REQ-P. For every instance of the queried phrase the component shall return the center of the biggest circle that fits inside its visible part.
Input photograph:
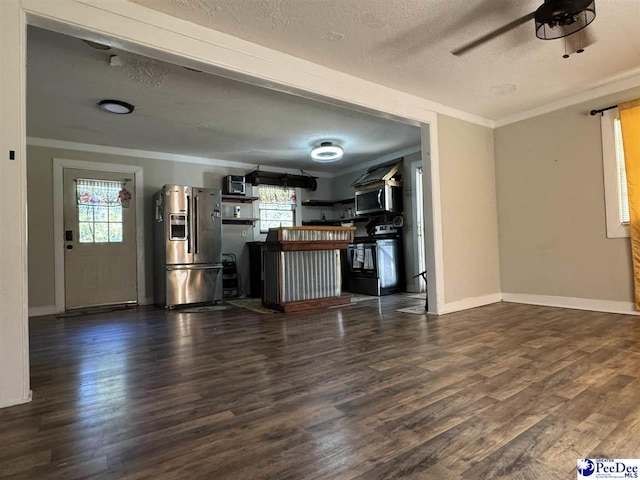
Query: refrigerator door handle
(195, 224)
(189, 226)
(193, 267)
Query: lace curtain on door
(99, 211)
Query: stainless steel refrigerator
(187, 245)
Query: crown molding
(170, 157)
(618, 84)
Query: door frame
(419, 282)
(145, 31)
(59, 164)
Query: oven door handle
(380, 198)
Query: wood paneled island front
(302, 267)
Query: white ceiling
(406, 44)
(190, 113)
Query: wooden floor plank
(360, 391)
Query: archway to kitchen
(66, 18)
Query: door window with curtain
(277, 207)
(99, 211)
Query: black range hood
(379, 174)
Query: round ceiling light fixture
(116, 106)
(327, 152)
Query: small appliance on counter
(234, 185)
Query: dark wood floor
(505, 391)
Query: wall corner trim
(608, 306)
(471, 302)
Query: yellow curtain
(630, 125)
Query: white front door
(99, 238)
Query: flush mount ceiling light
(327, 152)
(116, 106)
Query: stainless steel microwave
(379, 199)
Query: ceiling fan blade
(494, 34)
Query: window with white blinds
(623, 197)
(615, 178)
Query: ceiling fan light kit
(553, 19)
(561, 18)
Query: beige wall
(156, 173)
(469, 211)
(551, 208)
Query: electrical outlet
(244, 233)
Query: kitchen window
(615, 178)
(277, 207)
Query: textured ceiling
(406, 44)
(187, 112)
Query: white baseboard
(609, 306)
(43, 310)
(471, 302)
(19, 401)
(52, 310)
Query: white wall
(552, 210)
(156, 174)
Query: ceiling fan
(553, 19)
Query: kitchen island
(302, 267)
